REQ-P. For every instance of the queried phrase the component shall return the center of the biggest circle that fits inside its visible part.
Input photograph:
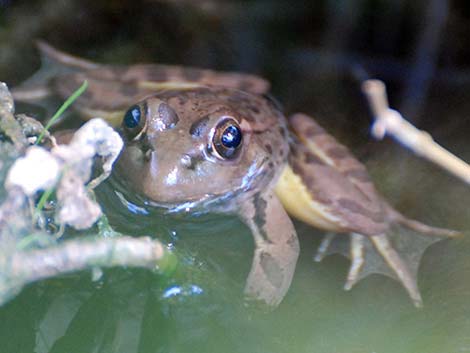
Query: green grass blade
(62, 109)
(44, 197)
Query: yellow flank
(299, 203)
(114, 118)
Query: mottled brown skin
(113, 88)
(171, 158)
(174, 160)
(336, 178)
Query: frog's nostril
(187, 161)
(146, 149)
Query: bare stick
(75, 255)
(24, 267)
(390, 122)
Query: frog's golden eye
(227, 139)
(134, 121)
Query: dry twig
(391, 122)
(25, 267)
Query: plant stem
(62, 109)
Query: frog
(199, 140)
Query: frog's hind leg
(53, 63)
(419, 227)
(327, 187)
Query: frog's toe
(357, 260)
(356, 252)
(397, 265)
(323, 249)
(376, 255)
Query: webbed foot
(396, 255)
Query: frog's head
(183, 147)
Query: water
(200, 308)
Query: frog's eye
(134, 121)
(227, 139)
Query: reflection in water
(180, 291)
(200, 308)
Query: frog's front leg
(276, 248)
(325, 186)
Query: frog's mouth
(256, 178)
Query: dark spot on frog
(182, 99)
(272, 269)
(156, 74)
(273, 102)
(293, 152)
(109, 73)
(268, 147)
(338, 152)
(192, 74)
(312, 131)
(254, 109)
(167, 116)
(310, 183)
(129, 89)
(260, 214)
(239, 98)
(284, 151)
(293, 241)
(354, 207)
(198, 127)
(200, 92)
(245, 85)
(358, 174)
(310, 158)
(117, 70)
(121, 72)
(67, 85)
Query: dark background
(312, 51)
